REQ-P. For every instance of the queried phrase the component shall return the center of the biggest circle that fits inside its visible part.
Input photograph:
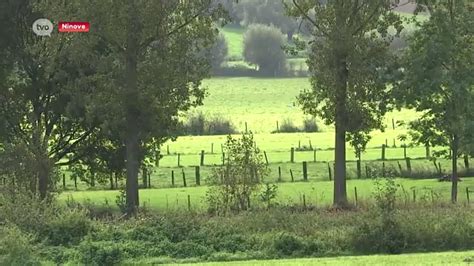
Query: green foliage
(100, 253)
(68, 228)
(198, 125)
(269, 194)
(17, 248)
(218, 53)
(263, 47)
(310, 125)
(287, 126)
(288, 245)
(233, 184)
(381, 231)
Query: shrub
(16, 247)
(286, 244)
(218, 52)
(310, 125)
(288, 127)
(263, 47)
(190, 249)
(100, 253)
(67, 228)
(199, 125)
(219, 126)
(380, 231)
(240, 177)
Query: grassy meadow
(315, 194)
(440, 258)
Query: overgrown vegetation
(233, 184)
(198, 124)
(77, 236)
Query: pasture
(440, 258)
(315, 194)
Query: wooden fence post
(383, 152)
(279, 174)
(198, 175)
(246, 131)
(168, 149)
(467, 195)
(400, 167)
(386, 142)
(202, 158)
(75, 182)
(179, 160)
(383, 169)
(393, 124)
(305, 171)
(189, 202)
(184, 178)
(299, 144)
(266, 158)
(367, 173)
(212, 148)
(149, 180)
(144, 176)
(278, 127)
(310, 145)
(64, 181)
(223, 158)
(292, 177)
(427, 151)
(292, 155)
(414, 195)
(466, 161)
(330, 172)
(172, 178)
(314, 155)
(404, 151)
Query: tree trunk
(342, 76)
(454, 174)
(132, 140)
(43, 177)
(340, 194)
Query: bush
(239, 179)
(190, 249)
(288, 127)
(67, 228)
(287, 244)
(381, 230)
(16, 247)
(310, 125)
(218, 52)
(100, 253)
(220, 126)
(199, 125)
(263, 47)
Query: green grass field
(441, 258)
(315, 193)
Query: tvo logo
(43, 27)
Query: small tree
(438, 80)
(234, 183)
(263, 47)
